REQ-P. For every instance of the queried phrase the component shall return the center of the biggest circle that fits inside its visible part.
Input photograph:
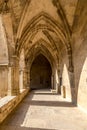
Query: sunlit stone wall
(66, 82)
(82, 90)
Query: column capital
(14, 61)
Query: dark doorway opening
(40, 73)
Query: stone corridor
(43, 110)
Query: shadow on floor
(46, 94)
(17, 117)
(52, 103)
(22, 128)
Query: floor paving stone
(42, 110)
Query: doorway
(40, 73)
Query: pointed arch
(41, 47)
(50, 23)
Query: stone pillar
(13, 77)
(52, 81)
(21, 85)
(60, 84)
(10, 80)
(73, 91)
(28, 78)
(25, 79)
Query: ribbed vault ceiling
(44, 26)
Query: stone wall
(8, 103)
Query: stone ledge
(53, 90)
(8, 103)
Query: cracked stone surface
(42, 110)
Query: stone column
(9, 80)
(21, 85)
(60, 84)
(52, 81)
(28, 78)
(25, 79)
(13, 77)
(73, 91)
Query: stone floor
(42, 110)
